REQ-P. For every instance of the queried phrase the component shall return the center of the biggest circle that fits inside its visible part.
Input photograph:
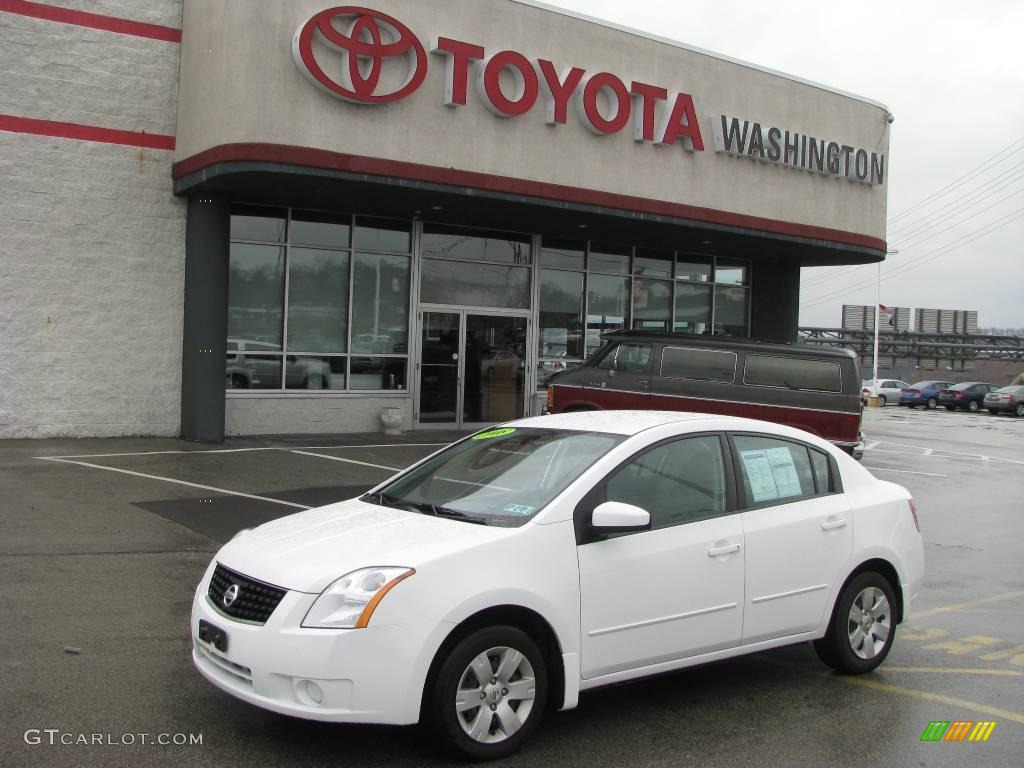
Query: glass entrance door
(472, 368)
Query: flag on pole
(890, 314)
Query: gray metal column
(775, 299)
(204, 343)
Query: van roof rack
(708, 340)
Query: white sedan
(510, 571)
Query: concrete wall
(287, 415)
(92, 254)
(249, 89)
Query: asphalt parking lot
(103, 542)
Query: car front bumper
(371, 675)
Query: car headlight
(349, 602)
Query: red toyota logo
(366, 40)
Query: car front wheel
(863, 626)
(489, 694)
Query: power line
(924, 258)
(968, 175)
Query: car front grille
(255, 601)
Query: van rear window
(702, 364)
(792, 373)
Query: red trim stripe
(85, 132)
(320, 158)
(91, 20)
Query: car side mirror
(617, 517)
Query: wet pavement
(103, 541)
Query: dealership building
(239, 217)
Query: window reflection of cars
(261, 368)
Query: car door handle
(728, 549)
(833, 523)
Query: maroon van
(810, 388)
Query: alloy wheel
(869, 623)
(495, 695)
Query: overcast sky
(952, 73)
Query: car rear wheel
(489, 694)
(932, 403)
(1019, 410)
(862, 628)
(881, 401)
(973, 406)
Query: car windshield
(502, 476)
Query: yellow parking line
(957, 671)
(967, 604)
(996, 712)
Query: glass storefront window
(325, 229)
(382, 235)
(652, 304)
(730, 310)
(474, 245)
(254, 222)
(609, 258)
(380, 304)
(693, 308)
(560, 342)
(248, 371)
(378, 373)
(475, 284)
(313, 372)
(307, 323)
(317, 300)
(730, 273)
(256, 294)
(607, 307)
(695, 271)
(562, 254)
(652, 263)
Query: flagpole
(878, 309)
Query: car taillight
(958, 394)
(913, 512)
(551, 398)
(915, 391)
(865, 391)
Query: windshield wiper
(455, 515)
(424, 507)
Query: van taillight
(551, 398)
(913, 512)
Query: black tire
(882, 401)
(440, 713)
(932, 404)
(1018, 410)
(838, 649)
(973, 406)
(950, 407)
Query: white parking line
(239, 450)
(177, 482)
(942, 453)
(348, 461)
(903, 471)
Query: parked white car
(520, 566)
(886, 390)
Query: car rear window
(703, 364)
(793, 373)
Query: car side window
(774, 470)
(632, 357)
(820, 467)
(677, 482)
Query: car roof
(728, 342)
(633, 422)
